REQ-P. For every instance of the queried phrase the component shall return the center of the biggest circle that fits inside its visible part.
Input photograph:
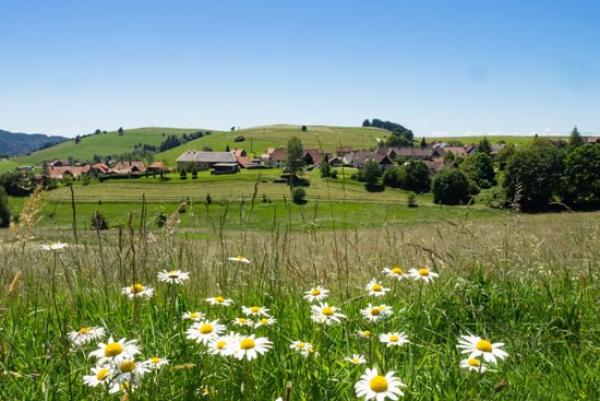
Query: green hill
(107, 144)
(6, 164)
(258, 139)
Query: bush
(239, 138)
(183, 174)
(298, 196)
(412, 176)
(99, 222)
(208, 199)
(370, 173)
(580, 186)
(4, 210)
(333, 174)
(194, 174)
(412, 200)
(161, 220)
(480, 169)
(451, 187)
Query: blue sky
(455, 67)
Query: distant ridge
(16, 143)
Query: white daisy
(395, 272)
(173, 276)
(255, 311)
(373, 386)
(325, 314)
(156, 362)
(250, 347)
(423, 274)
(375, 313)
(219, 300)
(55, 246)
(473, 365)
(317, 293)
(477, 347)
(193, 315)
(356, 359)
(304, 348)
(265, 322)
(239, 259)
(375, 288)
(243, 321)
(130, 371)
(394, 339)
(115, 351)
(138, 290)
(86, 335)
(101, 375)
(223, 345)
(204, 331)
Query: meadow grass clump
(470, 311)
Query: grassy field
(258, 139)
(530, 282)
(6, 165)
(514, 139)
(107, 144)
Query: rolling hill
(258, 139)
(16, 143)
(6, 164)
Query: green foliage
(17, 183)
(451, 187)
(194, 173)
(504, 154)
(99, 222)
(4, 209)
(484, 146)
(208, 199)
(575, 138)
(412, 175)
(295, 155)
(183, 174)
(532, 175)
(412, 200)
(161, 219)
(239, 138)
(299, 195)
(325, 168)
(370, 173)
(580, 185)
(480, 169)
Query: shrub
(208, 199)
(480, 169)
(161, 219)
(370, 173)
(4, 210)
(99, 222)
(412, 200)
(412, 176)
(325, 168)
(239, 138)
(298, 196)
(333, 174)
(580, 184)
(194, 174)
(183, 174)
(451, 187)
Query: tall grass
(530, 282)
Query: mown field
(6, 165)
(530, 282)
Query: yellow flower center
(137, 288)
(355, 360)
(379, 384)
(328, 311)
(264, 321)
(219, 299)
(473, 362)
(173, 274)
(102, 373)
(242, 320)
(376, 288)
(127, 366)
(376, 310)
(85, 330)
(220, 344)
(113, 349)
(366, 333)
(255, 309)
(484, 346)
(315, 292)
(424, 272)
(194, 315)
(206, 328)
(155, 360)
(397, 270)
(394, 338)
(247, 343)
(301, 345)
(239, 257)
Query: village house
(158, 167)
(199, 160)
(62, 172)
(359, 158)
(409, 152)
(242, 158)
(129, 168)
(274, 156)
(312, 157)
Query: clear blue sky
(455, 67)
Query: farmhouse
(225, 168)
(61, 172)
(129, 168)
(312, 157)
(409, 152)
(275, 156)
(359, 158)
(158, 167)
(242, 158)
(195, 160)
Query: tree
(120, 130)
(304, 128)
(423, 143)
(370, 173)
(77, 139)
(575, 139)
(400, 137)
(451, 187)
(480, 169)
(298, 196)
(532, 176)
(580, 185)
(99, 222)
(366, 123)
(295, 155)
(325, 168)
(504, 154)
(227, 148)
(412, 176)
(485, 146)
(4, 210)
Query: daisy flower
(86, 335)
(375, 313)
(265, 321)
(375, 288)
(373, 386)
(173, 276)
(364, 334)
(423, 274)
(55, 246)
(243, 321)
(156, 362)
(325, 314)
(356, 359)
(250, 347)
(394, 339)
(395, 272)
(477, 347)
(305, 349)
(219, 300)
(317, 293)
(138, 290)
(255, 311)
(115, 351)
(205, 331)
(101, 375)
(473, 365)
(239, 259)
(129, 371)
(194, 316)
(223, 345)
